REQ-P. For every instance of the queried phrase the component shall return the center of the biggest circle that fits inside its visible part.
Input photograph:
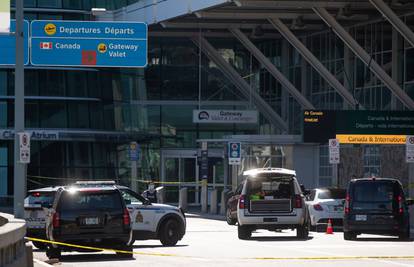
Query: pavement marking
(335, 258)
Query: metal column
(316, 64)
(398, 24)
(19, 168)
(365, 57)
(271, 68)
(240, 83)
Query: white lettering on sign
(124, 47)
(116, 31)
(107, 30)
(82, 30)
(73, 46)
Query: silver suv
(271, 199)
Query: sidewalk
(38, 263)
(193, 214)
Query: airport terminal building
(272, 58)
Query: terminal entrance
(180, 170)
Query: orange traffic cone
(329, 229)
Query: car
(271, 199)
(376, 206)
(324, 204)
(37, 205)
(89, 216)
(232, 202)
(149, 220)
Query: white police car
(149, 220)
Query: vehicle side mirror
(409, 202)
(147, 202)
(230, 193)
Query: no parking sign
(234, 152)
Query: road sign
(409, 149)
(134, 151)
(333, 151)
(24, 147)
(234, 152)
(88, 44)
(8, 45)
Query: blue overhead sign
(8, 45)
(89, 44)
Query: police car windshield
(40, 198)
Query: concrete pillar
(213, 203)
(223, 201)
(204, 196)
(160, 194)
(29, 255)
(182, 199)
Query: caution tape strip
(254, 258)
(101, 249)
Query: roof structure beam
(271, 68)
(268, 112)
(365, 57)
(291, 4)
(395, 21)
(314, 62)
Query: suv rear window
(369, 195)
(269, 187)
(40, 198)
(90, 201)
(332, 194)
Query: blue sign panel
(89, 44)
(8, 45)
(234, 153)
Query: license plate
(269, 219)
(91, 221)
(360, 217)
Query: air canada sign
(225, 116)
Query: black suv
(376, 206)
(94, 217)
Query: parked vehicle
(92, 216)
(271, 199)
(37, 205)
(232, 202)
(376, 206)
(324, 204)
(149, 220)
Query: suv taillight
(400, 205)
(241, 201)
(298, 202)
(126, 218)
(56, 220)
(347, 201)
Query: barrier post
(223, 203)
(213, 203)
(182, 202)
(204, 196)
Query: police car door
(142, 215)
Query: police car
(37, 205)
(149, 220)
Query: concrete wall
(306, 164)
(12, 245)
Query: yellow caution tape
(101, 249)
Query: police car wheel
(169, 234)
(39, 245)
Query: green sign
(320, 126)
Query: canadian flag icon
(46, 45)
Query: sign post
(234, 152)
(334, 159)
(5, 16)
(204, 176)
(133, 155)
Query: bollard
(182, 201)
(29, 255)
(223, 202)
(213, 203)
(160, 194)
(204, 200)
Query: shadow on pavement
(93, 258)
(278, 238)
(157, 246)
(382, 239)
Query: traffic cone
(329, 229)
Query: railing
(13, 250)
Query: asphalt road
(214, 243)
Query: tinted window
(374, 195)
(130, 197)
(332, 194)
(41, 198)
(269, 187)
(90, 201)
